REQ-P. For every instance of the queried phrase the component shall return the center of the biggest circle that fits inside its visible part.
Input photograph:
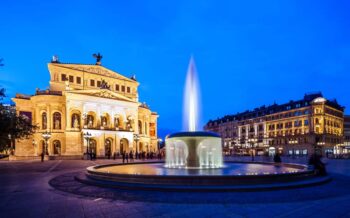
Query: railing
(48, 92)
(107, 128)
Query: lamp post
(87, 137)
(10, 140)
(159, 140)
(46, 136)
(35, 148)
(137, 138)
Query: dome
(319, 100)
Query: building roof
(275, 108)
(93, 69)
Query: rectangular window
(306, 122)
(63, 77)
(92, 82)
(79, 80)
(117, 87)
(128, 89)
(123, 88)
(71, 79)
(98, 83)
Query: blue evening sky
(248, 53)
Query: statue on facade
(89, 121)
(76, 122)
(104, 85)
(98, 58)
(57, 124)
(116, 122)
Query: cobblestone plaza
(49, 190)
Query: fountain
(194, 162)
(193, 149)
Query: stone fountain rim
(193, 134)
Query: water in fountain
(191, 99)
(193, 149)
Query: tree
(12, 126)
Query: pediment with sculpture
(102, 93)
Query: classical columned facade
(74, 107)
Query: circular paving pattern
(337, 187)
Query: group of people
(126, 156)
(129, 156)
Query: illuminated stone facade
(347, 134)
(295, 128)
(84, 99)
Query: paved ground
(25, 192)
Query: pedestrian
(42, 157)
(131, 156)
(114, 155)
(127, 157)
(123, 156)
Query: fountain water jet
(200, 153)
(193, 149)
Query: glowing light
(191, 96)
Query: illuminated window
(56, 120)
(92, 82)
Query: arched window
(44, 120)
(90, 121)
(316, 121)
(57, 147)
(140, 127)
(75, 121)
(56, 120)
(104, 121)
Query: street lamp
(87, 137)
(11, 150)
(46, 136)
(35, 148)
(136, 138)
(159, 140)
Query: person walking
(123, 156)
(127, 157)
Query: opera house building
(86, 108)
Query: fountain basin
(233, 176)
(193, 150)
